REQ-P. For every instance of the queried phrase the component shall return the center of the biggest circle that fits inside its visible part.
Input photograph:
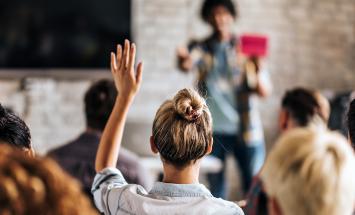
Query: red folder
(254, 45)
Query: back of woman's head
(182, 128)
(302, 106)
(31, 186)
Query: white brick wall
(312, 43)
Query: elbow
(98, 167)
(99, 164)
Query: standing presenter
(230, 92)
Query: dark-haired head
(13, 130)
(300, 108)
(219, 14)
(99, 101)
(351, 123)
(209, 5)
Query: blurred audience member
(14, 131)
(310, 172)
(339, 109)
(299, 108)
(33, 186)
(351, 123)
(222, 77)
(78, 156)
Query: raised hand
(127, 80)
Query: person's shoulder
(61, 150)
(194, 43)
(202, 43)
(74, 146)
(228, 207)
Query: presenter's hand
(184, 59)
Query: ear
(152, 145)
(283, 120)
(273, 207)
(210, 147)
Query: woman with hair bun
(181, 134)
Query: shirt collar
(180, 190)
(232, 43)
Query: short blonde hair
(182, 128)
(32, 185)
(311, 172)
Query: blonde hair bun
(189, 104)
(182, 128)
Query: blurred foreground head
(310, 172)
(14, 131)
(32, 186)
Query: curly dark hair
(99, 101)
(209, 5)
(13, 130)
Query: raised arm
(127, 83)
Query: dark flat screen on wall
(61, 33)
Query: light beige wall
(312, 43)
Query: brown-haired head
(182, 129)
(31, 186)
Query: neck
(223, 36)
(187, 175)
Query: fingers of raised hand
(139, 73)
(119, 55)
(132, 58)
(125, 58)
(113, 63)
(123, 62)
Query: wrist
(124, 100)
